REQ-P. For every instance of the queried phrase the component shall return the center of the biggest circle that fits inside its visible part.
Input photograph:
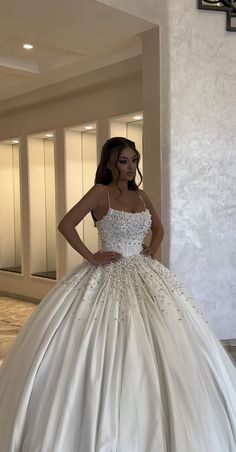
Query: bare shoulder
(99, 188)
(97, 192)
(101, 197)
(144, 195)
(89, 202)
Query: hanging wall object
(229, 6)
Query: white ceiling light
(28, 46)
(89, 127)
(49, 135)
(138, 117)
(15, 141)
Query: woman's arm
(90, 201)
(156, 227)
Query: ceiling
(69, 38)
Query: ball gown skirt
(118, 358)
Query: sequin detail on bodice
(124, 232)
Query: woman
(117, 358)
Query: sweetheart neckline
(122, 211)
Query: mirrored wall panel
(80, 166)
(41, 168)
(10, 224)
(131, 127)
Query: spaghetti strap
(142, 199)
(108, 197)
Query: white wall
(89, 151)
(17, 202)
(73, 185)
(10, 228)
(50, 204)
(42, 205)
(202, 160)
(135, 133)
(80, 167)
(198, 142)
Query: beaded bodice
(124, 232)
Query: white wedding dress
(117, 358)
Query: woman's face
(127, 164)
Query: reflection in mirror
(42, 205)
(10, 225)
(131, 127)
(80, 167)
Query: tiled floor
(13, 315)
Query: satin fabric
(78, 379)
(118, 358)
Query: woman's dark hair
(114, 146)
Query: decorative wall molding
(229, 6)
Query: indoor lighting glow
(138, 117)
(49, 135)
(15, 141)
(28, 46)
(89, 127)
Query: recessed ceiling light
(15, 141)
(138, 117)
(49, 135)
(89, 127)
(28, 46)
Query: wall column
(151, 114)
